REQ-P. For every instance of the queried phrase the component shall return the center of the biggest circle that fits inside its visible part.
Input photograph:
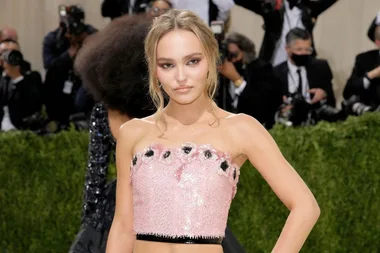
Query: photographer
(251, 84)
(13, 44)
(65, 41)
(306, 82)
(61, 87)
(20, 99)
(280, 16)
(362, 91)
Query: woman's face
(182, 66)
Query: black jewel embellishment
(167, 154)
(208, 154)
(149, 153)
(224, 165)
(187, 149)
(234, 175)
(134, 161)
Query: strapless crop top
(182, 194)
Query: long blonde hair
(183, 20)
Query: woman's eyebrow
(186, 57)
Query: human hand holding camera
(317, 94)
(76, 42)
(375, 73)
(228, 70)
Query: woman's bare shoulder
(243, 124)
(135, 128)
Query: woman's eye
(166, 66)
(193, 62)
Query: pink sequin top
(184, 191)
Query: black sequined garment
(99, 197)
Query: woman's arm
(121, 237)
(265, 156)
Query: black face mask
(301, 59)
(239, 66)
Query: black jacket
(260, 97)
(116, 8)
(59, 105)
(319, 75)
(364, 63)
(51, 51)
(274, 19)
(23, 100)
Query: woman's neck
(187, 114)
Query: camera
(217, 28)
(12, 57)
(72, 19)
(296, 111)
(354, 106)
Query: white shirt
(235, 92)
(293, 80)
(292, 19)
(6, 123)
(201, 8)
(366, 81)
(130, 7)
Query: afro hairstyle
(112, 66)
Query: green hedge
(41, 183)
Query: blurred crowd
(283, 82)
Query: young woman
(177, 170)
(113, 69)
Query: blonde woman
(178, 169)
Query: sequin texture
(99, 197)
(191, 196)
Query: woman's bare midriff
(160, 247)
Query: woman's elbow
(307, 206)
(315, 209)
(310, 208)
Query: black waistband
(182, 239)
